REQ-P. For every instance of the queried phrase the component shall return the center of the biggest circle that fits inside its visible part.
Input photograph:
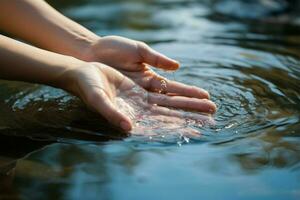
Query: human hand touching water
(121, 101)
(132, 58)
(102, 88)
(149, 93)
(98, 85)
(38, 23)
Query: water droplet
(186, 139)
(229, 125)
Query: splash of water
(149, 122)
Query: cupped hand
(111, 94)
(133, 58)
(126, 54)
(164, 89)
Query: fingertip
(213, 107)
(198, 92)
(176, 63)
(171, 64)
(126, 125)
(109, 111)
(205, 94)
(207, 106)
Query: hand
(113, 95)
(130, 57)
(166, 89)
(126, 54)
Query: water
(53, 147)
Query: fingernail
(177, 62)
(125, 126)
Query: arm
(38, 23)
(96, 84)
(43, 26)
(22, 62)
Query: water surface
(53, 147)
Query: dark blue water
(52, 147)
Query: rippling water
(250, 63)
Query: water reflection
(11, 150)
(90, 171)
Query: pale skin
(96, 69)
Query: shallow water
(52, 146)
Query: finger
(201, 105)
(190, 133)
(156, 59)
(159, 83)
(100, 102)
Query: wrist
(86, 50)
(64, 78)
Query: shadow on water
(52, 147)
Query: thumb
(156, 59)
(101, 103)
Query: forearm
(38, 23)
(23, 62)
